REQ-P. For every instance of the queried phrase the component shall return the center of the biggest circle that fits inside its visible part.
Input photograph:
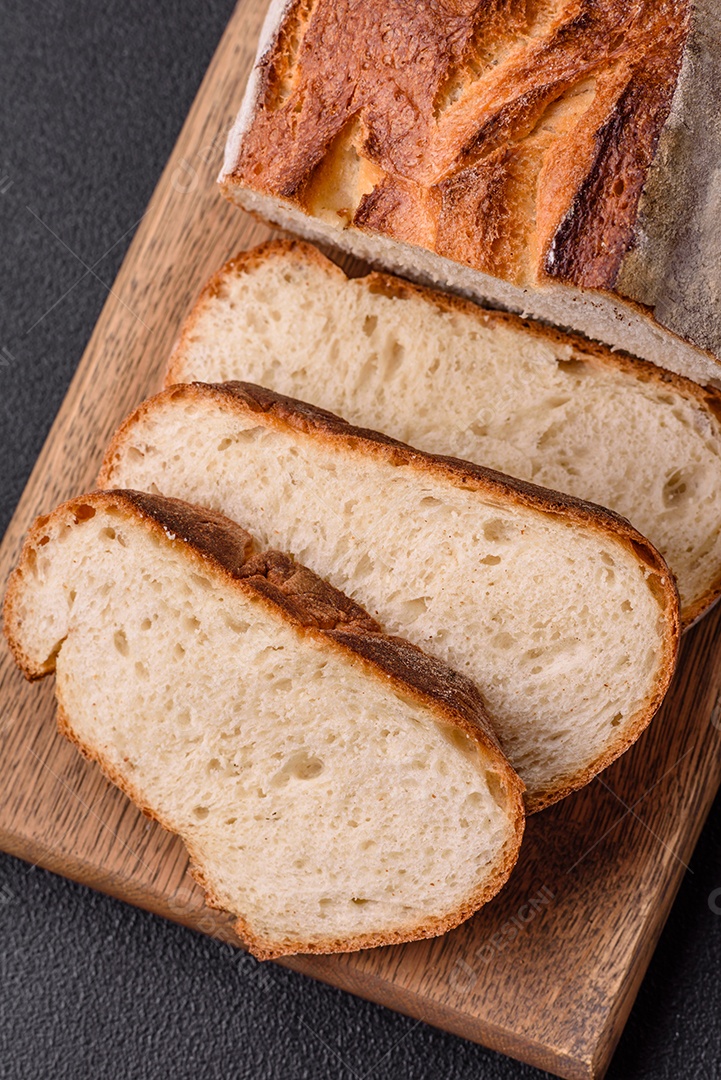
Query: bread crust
(318, 611)
(706, 398)
(512, 138)
(284, 413)
(650, 128)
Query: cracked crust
(569, 172)
(287, 413)
(513, 138)
(317, 610)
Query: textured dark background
(92, 97)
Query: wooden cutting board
(548, 971)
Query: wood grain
(548, 971)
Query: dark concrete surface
(92, 97)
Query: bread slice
(563, 614)
(335, 787)
(450, 378)
(557, 159)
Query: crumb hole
(84, 513)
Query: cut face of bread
(450, 378)
(562, 613)
(335, 787)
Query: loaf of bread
(335, 787)
(450, 378)
(558, 159)
(563, 614)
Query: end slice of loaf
(336, 788)
(561, 612)
(451, 378)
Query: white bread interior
(563, 615)
(450, 378)
(601, 316)
(325, 804)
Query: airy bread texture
(559, 159)
(564, 615)
(450, 378)
(335, 787)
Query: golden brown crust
(211, 534)
(286, 413)
(514, 138)
(707, 399)
(304, 596)
(317, 610)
